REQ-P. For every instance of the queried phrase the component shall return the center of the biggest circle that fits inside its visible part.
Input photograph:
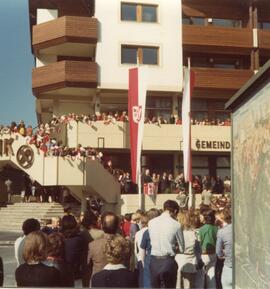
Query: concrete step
(12, 216)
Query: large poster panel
(251, 182)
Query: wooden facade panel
(50, 30)
(217, 36)
(64, 29)
(84, 28)
(81, 73)
(214, 78)
(64, 74)
(264, 39)
(225, 9)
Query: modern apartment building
(84, 48)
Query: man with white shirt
(165, 235)
(138, 250)
(29, 226)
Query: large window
(201, 21)
(225, 22)
(209, 112)
(264, 25)
(193, 20)
(139, 55)
(138, 12)
(158, 107)
(216, 61)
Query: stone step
(32, 212)
(12, 216)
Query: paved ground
(7, 253)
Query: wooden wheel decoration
(25, 156)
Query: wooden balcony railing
(64, 74)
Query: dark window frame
(139, 12)
(140, 59)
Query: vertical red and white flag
(189, 79)
(136, 111)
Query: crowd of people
(107, 118)
(167, 183)
(169, 248)
(175, 119)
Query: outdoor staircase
(12, 216)
(86, 176)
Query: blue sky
(16, 62)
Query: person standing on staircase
(8, 184)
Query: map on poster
(251, 181)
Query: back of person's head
(89, 219)
(35, 247)
(225, 215)
(117, 249)
(67, 210)
(127, 217)
(188, 220)
(140, 212)
(110, 223)
(135, 217)
(171, 206)
(69, 226)
(152, 213)
(144, 220)
(30, 225)
(55, 246)
(204, 208)
(209, 217)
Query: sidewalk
(8, 238)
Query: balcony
(218, 78)
(67, 36)
(264, 39)
(64, 75)
(167, 137)
(227, 39)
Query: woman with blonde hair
(115, 274)
(190, 261)
(33, 273)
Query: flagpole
(139, 180)
(190, 193)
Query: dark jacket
(1, 272)
(37, 275)
(121, 278)
(74, 250)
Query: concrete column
(83, 202)
(96, 102)
(176, 163)
(175, 104)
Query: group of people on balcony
(44, 129)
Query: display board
(251, 191)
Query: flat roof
(252, 86)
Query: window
(226, 22)
(216, 61)
(193, 20)
(129, 55)
(264, 25)
(128, 12)
(139, 55)
(149, 13)
(138, 12)
(158, 107)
